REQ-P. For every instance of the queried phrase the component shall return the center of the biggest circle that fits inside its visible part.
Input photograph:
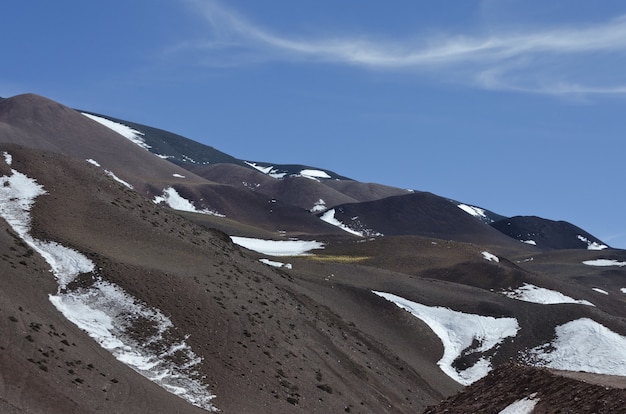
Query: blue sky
(517, 106)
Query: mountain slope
(418, 213)
(548, 234)
(536, 391)
(120, 296)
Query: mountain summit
(145, 272)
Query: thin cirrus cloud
(567, 60)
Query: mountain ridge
(355, 322)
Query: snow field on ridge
(104, 310)
(127, 132)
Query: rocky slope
(123, 290)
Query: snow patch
(278, 247)
(110, 174)
(127, 132)
(8, 158)
(604, 292)
(461, 334)
(604, 262)
(491, 257)
(178, 176)
(474, 211)
(276, 264)
(534, 243)
(582, 345)
(104, 310)
(93, 162)
(592, 245)
(17, 196)
(329, 217)
(107, 313)
(319, 206)
(623, 290)
(119, 180)
(523, 406)
(314, 174)
(171, 197)
(536, 294)
(264, 170)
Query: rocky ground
(554, 391)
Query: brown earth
(313, 338)
(555, 391)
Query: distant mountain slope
(126, 289)
(419, 213)
(41, 123)
(298, 191)
(548, 234)
(188, 153)
(176, 148)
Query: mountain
(144, 272)
(548, 234)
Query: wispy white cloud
(555, 61)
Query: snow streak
(104, 310)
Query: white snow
(276, 264)
(604, 292)
(523, 406)
(110, 174)
(7, 158)
(124, 130)
(278, 247)
(178, 175)
(474, 211)
(319, 206)
(273, 172)
(623, 290)
(491, 257)
(171, 197)
(314, 174)
(264, 170)
(592, 245)
(536, 294)
(534, 243)
(103, 310)
(17, 195)
(119, 180)
(276, 174)
(604, 262)
(329, 217)
(458, 331)
(582, 345)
